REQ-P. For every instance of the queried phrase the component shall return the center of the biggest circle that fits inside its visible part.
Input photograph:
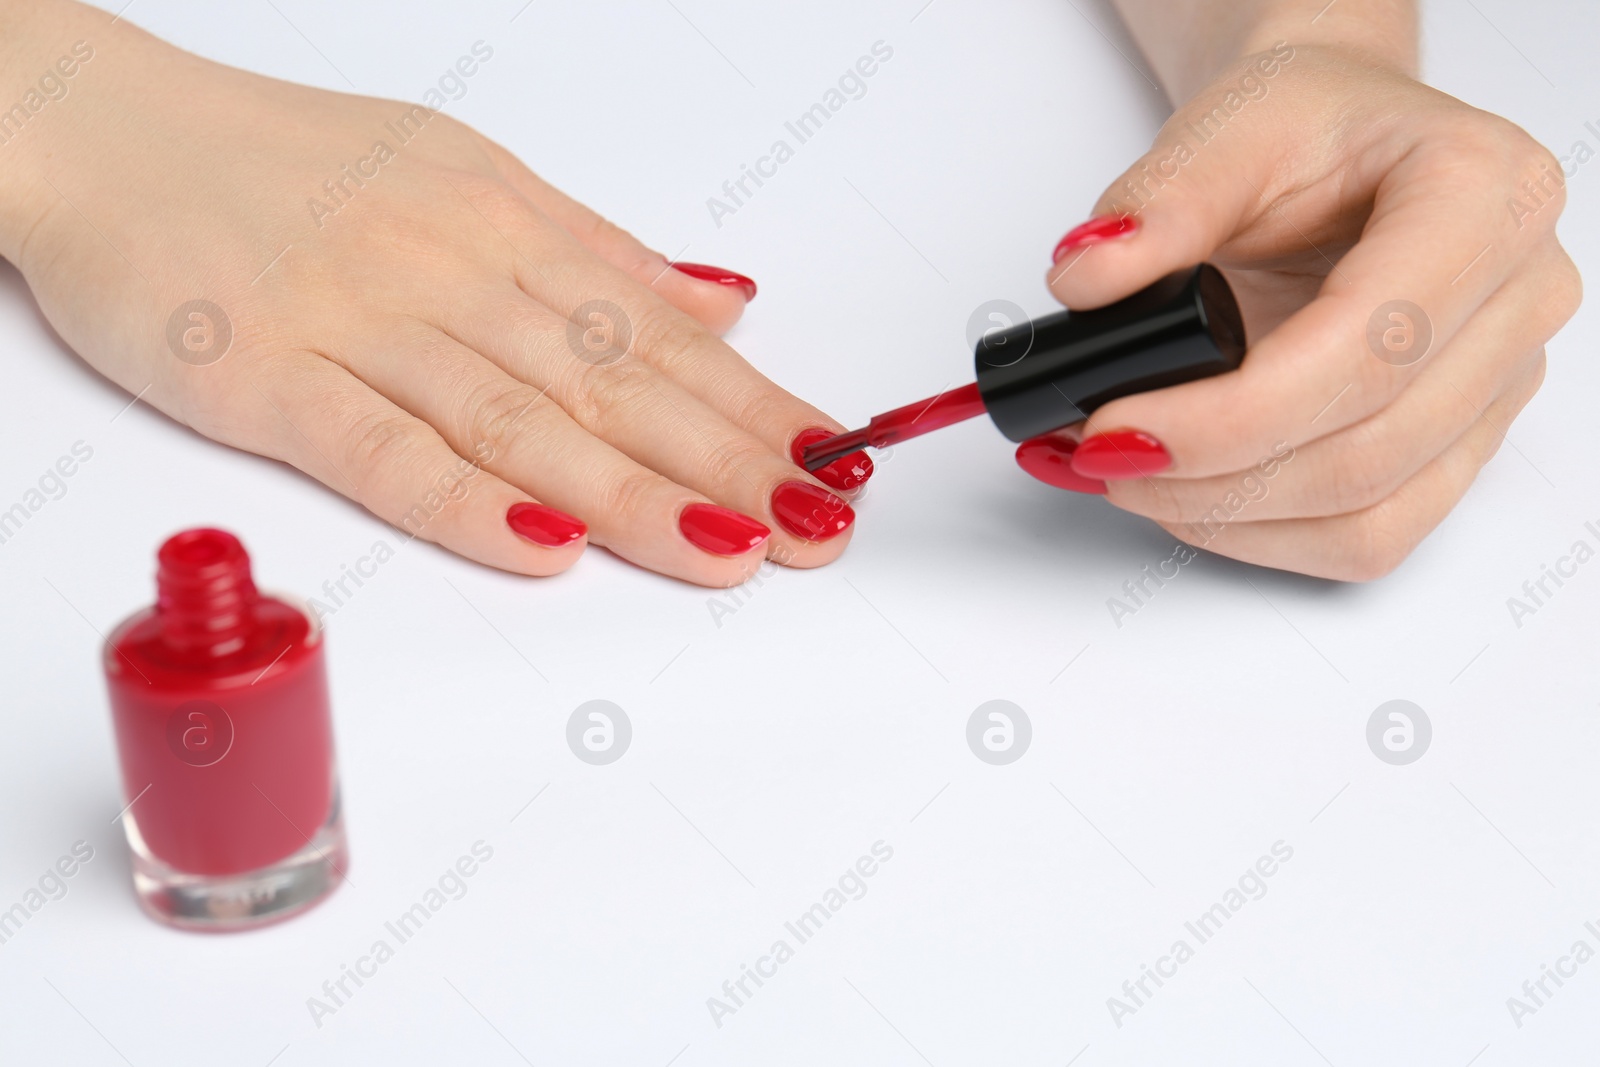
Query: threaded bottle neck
(205, 594)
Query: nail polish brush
(1043, 374)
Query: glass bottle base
(226, 902)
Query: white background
(829, 712)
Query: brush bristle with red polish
(901, 424)
(815, 457)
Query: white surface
(1171, 754)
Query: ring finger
(1367, 544)
(649, 417)
(525, 438)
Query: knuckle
(529, 329)
(381, 441)
(220, 413)
(1485, 152)
(459, 132)
(1526, 145)
(1551, 297)
(1486, 137)
(1564, 290)
(609, 398)
(490, 199)
(1487, 447)
(770, 406)
(668, 338)
(390, 230)
(1381, 542)
(602, 230)
(627, 498)
(603, 233)
(1535, 381)
(483, 191)
(1157, 499)
(1532, 157)
(1360, 476)
(731, 468)
(1538, 192)
(495, 411)
(1376, 381)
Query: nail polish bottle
(219, 697)
(1044, 374)
(1041, 375)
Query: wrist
(1190, 43)
(45, 48)
(1388, 41)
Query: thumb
(1171, 210)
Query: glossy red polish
(901, 424)
(721, 531)
(811, 512)
(1096, 230)
(1120, 454)
(846, 473)
(219, 698)
(729, 278)
(544, 525)
(1049, 459)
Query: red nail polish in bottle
(220, 701)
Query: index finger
(1437, 245)
(627, 314)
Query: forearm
(1188, 42)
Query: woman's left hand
(1394, 253)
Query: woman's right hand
(427, 327)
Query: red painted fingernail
(809, 511)
(722, 277)
(720, 531)
(1049, 459)
(846, 472)
(1120, 454)
(544, 526)
(1104, 228)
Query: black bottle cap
(1185, 326)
